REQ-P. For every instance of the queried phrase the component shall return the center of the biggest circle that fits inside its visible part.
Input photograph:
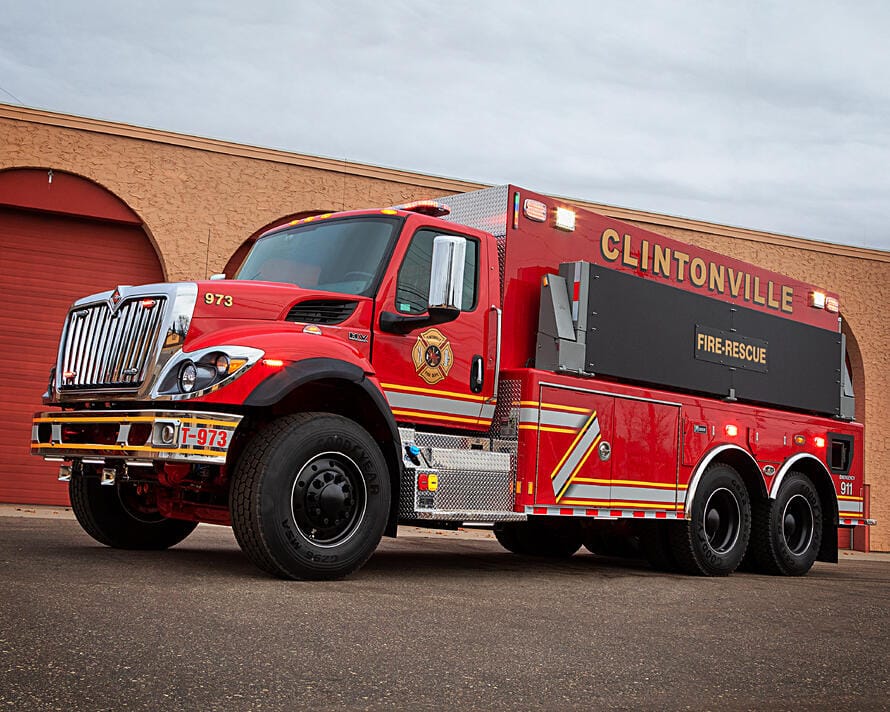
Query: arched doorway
(857, 538)
(62, 237)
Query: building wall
(200, 199)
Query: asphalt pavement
(434, 621)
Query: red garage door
(48, 261)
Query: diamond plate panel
(481, 209)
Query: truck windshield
(346, 256)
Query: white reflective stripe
(845, 506)
(450, 406)
(622, 494)
(553, 417)
(561, 476)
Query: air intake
(321, 311)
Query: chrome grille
(102, 349)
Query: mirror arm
(402, 324)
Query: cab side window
(413, 287)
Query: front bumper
(136, 436)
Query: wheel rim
(797, 524)
(722, 520)
(328, 499)
(138, 503)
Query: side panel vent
(321, 311)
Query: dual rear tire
(780, 536)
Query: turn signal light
(819, 442)
(731, 430)
(273, 362)
(800, 440)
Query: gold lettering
(644, 255)
(762, 353)
(735, 282)
(662, 260)
(628, 259)
(717, 277)
(747, 287)
(787, 297)
(682, 258)
(758, 297)
(699, 341)
(609, 252)
(771, 300)
(698, 272)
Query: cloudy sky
(768, 115)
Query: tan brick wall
(201, 199)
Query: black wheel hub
(722, 520)
(328, 499)
(797, 524)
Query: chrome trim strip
(699, 471)
(607, 393)
(786, 466)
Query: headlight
(188, 377)
(222, 364)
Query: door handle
(477, 374)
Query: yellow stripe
(97, 419)
(127, 448)
(580, 464)
(850, 499)
(574, 443)
(553, 406)
(136, 419)
(441, 416)
(603, 504)
(546, 428)
(631, 483)
(446, 394)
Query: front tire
(787, 531)
(714, 540)
(310, 497)
(122, 516)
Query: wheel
(557, 539)
(786, 532)
(655, 545)
(714, 540)
(310, 497)
(619, 539)
(123, 515)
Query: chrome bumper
(137, 436)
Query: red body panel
(654, 446)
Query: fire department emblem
(432, 356)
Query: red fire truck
(498, 357)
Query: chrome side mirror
(447, 272)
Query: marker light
(426, 207)
(148, 303)
(273, 362)
(800, 440)
(832, 305)
(565, 219)
(731, 430)
(819, 442)
(535, 210)
(816, 300)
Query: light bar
(426, 207)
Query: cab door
(437, 374)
